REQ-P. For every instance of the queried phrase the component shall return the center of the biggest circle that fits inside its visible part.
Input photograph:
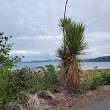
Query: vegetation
(46, 78)
(16, 83)
(6, 64)
(73, 46)
(94, 81)
(6, 60)
(13, 84)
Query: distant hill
(54, 60)
(40, 61)
(99, 59)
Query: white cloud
(33, 55)
(51, 37)
(98, 44)
(24, 52)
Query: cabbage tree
(72, 47)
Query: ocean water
(84, 65)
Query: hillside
(99, 59)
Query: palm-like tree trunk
(72, 79)
(65, 63)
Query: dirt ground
(71, 102)
(63, 101)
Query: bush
(22, 78)
(7, 62)
(50, 78)
(105, 78)
(94, 81)
(13, 84)
(45, 78)
(35, 83)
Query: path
(103, 105)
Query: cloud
(98, 44)
(34, 25)
(33, 55)
(21, 52)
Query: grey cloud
(94, 14)
(30, 22)
(37, 43)
(98, 43)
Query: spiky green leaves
(73, 36)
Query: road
(103, 105)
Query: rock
(45, 95)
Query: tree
(72, 46)
(8, 80)
(6, 60)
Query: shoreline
(84, 65)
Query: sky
(36, 34)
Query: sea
(84, 65)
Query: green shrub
(50, 78)
(7, 62)
(94, 81)
(22, 78)
(106, 78)
(45, 78)
(35, 83)
(13, 84)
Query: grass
(95, 71)
(92, 80)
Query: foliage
(12, 85)
(22, 78)
(92, 82)
(73, 45)
(50, 77)
(7, 62)
(45, 78)
(36, 82)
